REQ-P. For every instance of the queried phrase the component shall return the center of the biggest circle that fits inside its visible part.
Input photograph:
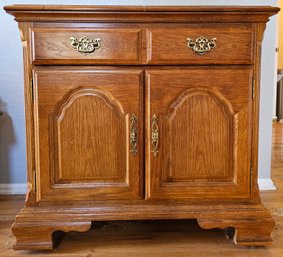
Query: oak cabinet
(141, 113)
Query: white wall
(12, 132)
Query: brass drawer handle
(133, 135)
(85, 45)
(201, 45)
(154, 135)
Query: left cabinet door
(88, 132)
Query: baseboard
(18, 189)
(13, 189)
(274, 119)
(266, 184)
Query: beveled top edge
(124, 8)
(140, 14)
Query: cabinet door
(89, 133)
(198, 143)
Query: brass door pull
(154, 135)
(85, 45)
(133, 135)
(201, 45)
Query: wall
(12, 132)
(280, 43)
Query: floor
(156, 238)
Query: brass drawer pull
(201, 45)
(133, 135)
(154, 135)
(85, 45)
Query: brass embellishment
(133, 135)
(154, 135)
(201, 45)
(85, 45)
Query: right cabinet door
(198, 133)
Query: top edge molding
(99, 13)
(124, 8)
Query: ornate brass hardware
(85, 45)
(133, 135)
(154, 135)
(201, 45)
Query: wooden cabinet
(141, 113)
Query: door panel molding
(221, 111)
(56, 122)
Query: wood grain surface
(156, 238)
(153, 14)
(234, 44)
(76, 108)
(205, 133)
(118, 46)
(81, 168)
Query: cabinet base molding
(44, 234)
(248, 231)
(39, 227)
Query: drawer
(86, 46)
(209, 45)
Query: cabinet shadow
(7, 140)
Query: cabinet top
(92, 13)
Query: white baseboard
(266, 184)
(15, 189)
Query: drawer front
(208, 45)
(86, 46)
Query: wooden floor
(156, 238)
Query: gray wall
(12, 132)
